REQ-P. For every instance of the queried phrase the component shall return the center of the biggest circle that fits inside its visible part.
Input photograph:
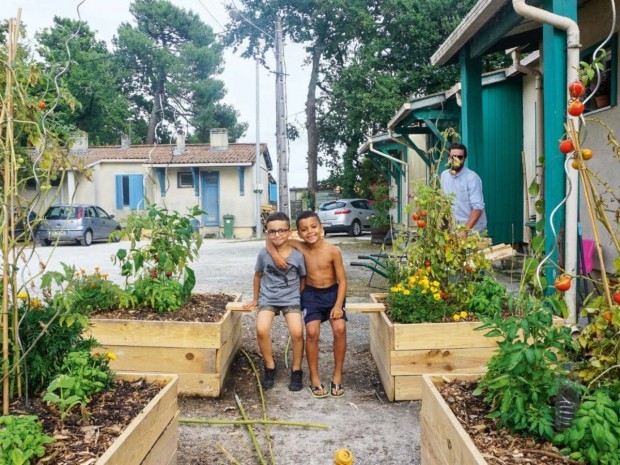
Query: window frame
(612, 58)
(180, 184)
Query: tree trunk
(155, 111)
(312, 128)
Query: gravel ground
(375, 430)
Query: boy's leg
(263, 336)
(339, 329)
(313, 330)
(296, 330)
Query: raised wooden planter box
(405, 352)
(443, 441)
(200, 353)
(151, 437)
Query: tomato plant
(566, 146)
(575, 108)
(562, 283)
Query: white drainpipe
(572, 57)
(404, 192)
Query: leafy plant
(417, 299)
(381, 203)
(160, 293)
(593, 435)
(488, 298)
(520, 382)
(21, 439)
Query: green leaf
(538, 244)
(540, 206)
(534, 188)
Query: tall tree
(327, 28)
(172, 58)
(92, 78)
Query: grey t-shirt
(280, 287)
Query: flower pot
(602, 101)
(151, 437)
(200, 353)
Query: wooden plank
(165, 448)
(161, 359)
(199, 384)
(380, 351)
(422, 336)
(224, 373)
(134, 443)
(365, 307)
(228, 346)
(441, 431)
(173, 459)
(408, 387)
(439, 361)
(237, 307)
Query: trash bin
(195, 222)
(229, 226)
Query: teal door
(499, 163)
(210, 198)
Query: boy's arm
(341, 278)
(302, 283)
(254, 302)
(277, 259)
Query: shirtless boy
(322, 299)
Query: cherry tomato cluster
(420, 218)
(576, 89)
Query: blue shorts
(317, 303)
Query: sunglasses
(274, 232)
(460, 157)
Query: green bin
(229, 226)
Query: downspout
(405, 192)
(572, 177)
(540, 114)
(403, 200)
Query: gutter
(572, 177)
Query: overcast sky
(104, 16)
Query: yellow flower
(77, 274)
(22, 295)
(36, 303)
(105, 276)
(423, 291)
(394, 289)
(406, 292)
(83, 271)
(437, 296)
(110, 356)
(463, 314)
(456, 317)
(97, 268)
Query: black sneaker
(295, 384)
(269, 377)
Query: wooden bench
(363, 307)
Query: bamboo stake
(252, 422)
(251, 431)
(228, 454)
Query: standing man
(468, 208)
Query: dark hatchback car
(346, 215)
(80, 223)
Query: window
(129, 191)
(185, 179)
(605, 95)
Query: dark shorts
(317, 303)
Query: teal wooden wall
(499, 162)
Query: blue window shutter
(136, 191)
(241, 171)
(273, 192)
(119, 191)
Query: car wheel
(355, 229)
(46, 242)
(117, 236)
(87, 239)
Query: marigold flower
(423, 291)
(105, 276)
(437, 296)
(110, 356)
(92, 285)
(463, 314)
(83, 271)
(97, 268)
(22, 295)
(456, 317)
(406, 292)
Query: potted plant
(381, 219)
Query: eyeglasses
(273, 232)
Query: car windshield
(331, 206)
(61, 213)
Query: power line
(214, 18)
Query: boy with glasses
(278, 291)
(468, 208)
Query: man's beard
(456, 165)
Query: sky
(239, 76)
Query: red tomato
(468, 268)
(616, 297)
(41, 105)
(576, 89)
(415, 216)
(586, 154)
(562, 283)
(575, 108)
(427, 263)
(421, 223)
(444, 296)
(566, 146)
(423, 213)
(607, 316)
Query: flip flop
(335, 388)
(314, 390)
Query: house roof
(238, 154)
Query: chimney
(180, 148)
(79, 143)
(219, 139)
(125, 142)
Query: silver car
(346, 215)
(80, 223)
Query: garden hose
(343, 457)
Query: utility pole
(257, 184)
(281, 137)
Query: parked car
(81, 223)
(346, 215)
(29, 231)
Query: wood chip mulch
(497, 446)
(109, 413)
(205, 308)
